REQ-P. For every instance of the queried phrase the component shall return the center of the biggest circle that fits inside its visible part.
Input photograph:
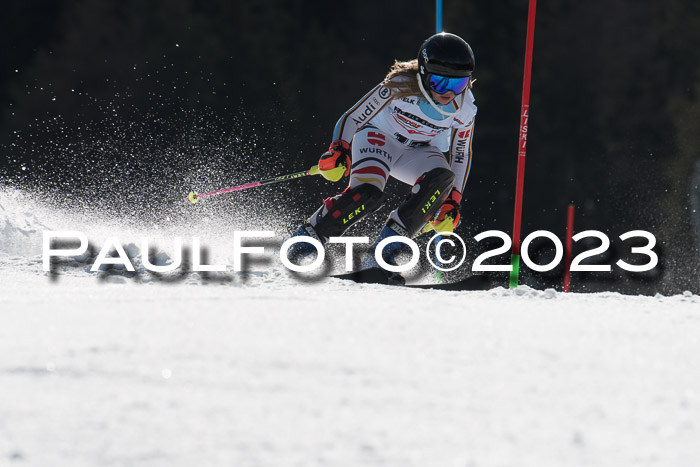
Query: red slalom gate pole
(524, 115)
(569, 245)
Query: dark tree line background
(614, 125)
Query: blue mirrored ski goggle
(442, 84)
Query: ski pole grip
(314, 170)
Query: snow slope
(99, 369)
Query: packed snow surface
(266, 370)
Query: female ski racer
(401, 128)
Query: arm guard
(361, 113)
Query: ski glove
(447, 218)
(335, 163)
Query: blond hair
(407, 85)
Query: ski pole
(194, 196)
(522, 146)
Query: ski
(380, 276)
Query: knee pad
(425, 199)
(340, 212)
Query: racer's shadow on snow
(335, 260)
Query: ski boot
(299, 251)
(371, 271)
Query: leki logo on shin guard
(431, 201)
(353, 214)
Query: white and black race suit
(405, 138)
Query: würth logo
(376, 139)
(464, 134)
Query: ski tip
(193, 197)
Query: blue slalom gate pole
(438, 30)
